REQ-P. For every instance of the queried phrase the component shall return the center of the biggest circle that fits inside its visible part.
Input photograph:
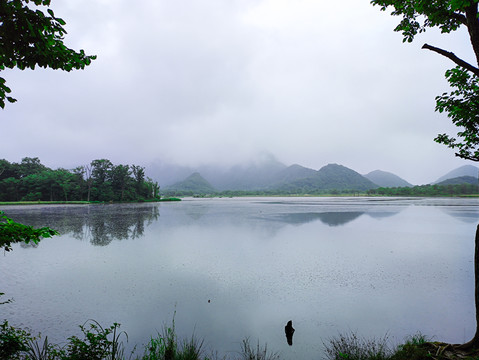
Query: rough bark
(472, 23)
(474, 342)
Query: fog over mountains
(268, 173)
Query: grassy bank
(98, 343)
(5, 203)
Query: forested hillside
(100, 180)
(386, 179)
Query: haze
(220, 82)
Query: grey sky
(221, 81)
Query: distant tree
(29, 38)
(30, 166)
(7, 169)
(462, 104)
(120, 175)
(86, 171)
(100, 170)
(139, 177)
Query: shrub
(350, 346)
(12, 341)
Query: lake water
(243, 267)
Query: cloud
(220, 81)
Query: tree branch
(454, 58)
(459, 17)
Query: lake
(243, 267)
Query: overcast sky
(223, 81)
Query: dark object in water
(289, 331)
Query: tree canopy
(462, 104)
(29, 37)
(100, 180)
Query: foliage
(98, 343)
(165, 346)
(412, 349)
(352, 347)
(462, 106)
(29, 38)
(12, 341)
(99, 181)
(13, 232)
(422, 190)
(417, 15)
(428, 190)
(256, 353)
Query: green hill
(194, 183)
(460, 180)
(386, 179)
(328, 178)
(465, 170)
(292, 173)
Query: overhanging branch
(453, 57)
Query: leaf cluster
(12, 341)
(13, 232)
(462, 107)
(29, 37)
(418, 15)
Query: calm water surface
(236, 268)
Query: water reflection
(237, 268)
(99, 224)
(329, 218)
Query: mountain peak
(465, 170)
(194, 183)
(386, 179)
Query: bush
(96, 344)
(12, 341)
(350, 346)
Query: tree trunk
(473, 28)
(474, 343)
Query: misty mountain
(194, 183)
(294, 172)
(386, 179)
(460, 180)
(328, 178)
(466, 170)
(252, 176)
(267, 173)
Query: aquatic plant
(352, 347)
(256, 353)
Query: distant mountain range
(386, 179)
(271, 174)
(466, 170)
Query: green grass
(99, 343)
(4, 203)
(350, 346)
